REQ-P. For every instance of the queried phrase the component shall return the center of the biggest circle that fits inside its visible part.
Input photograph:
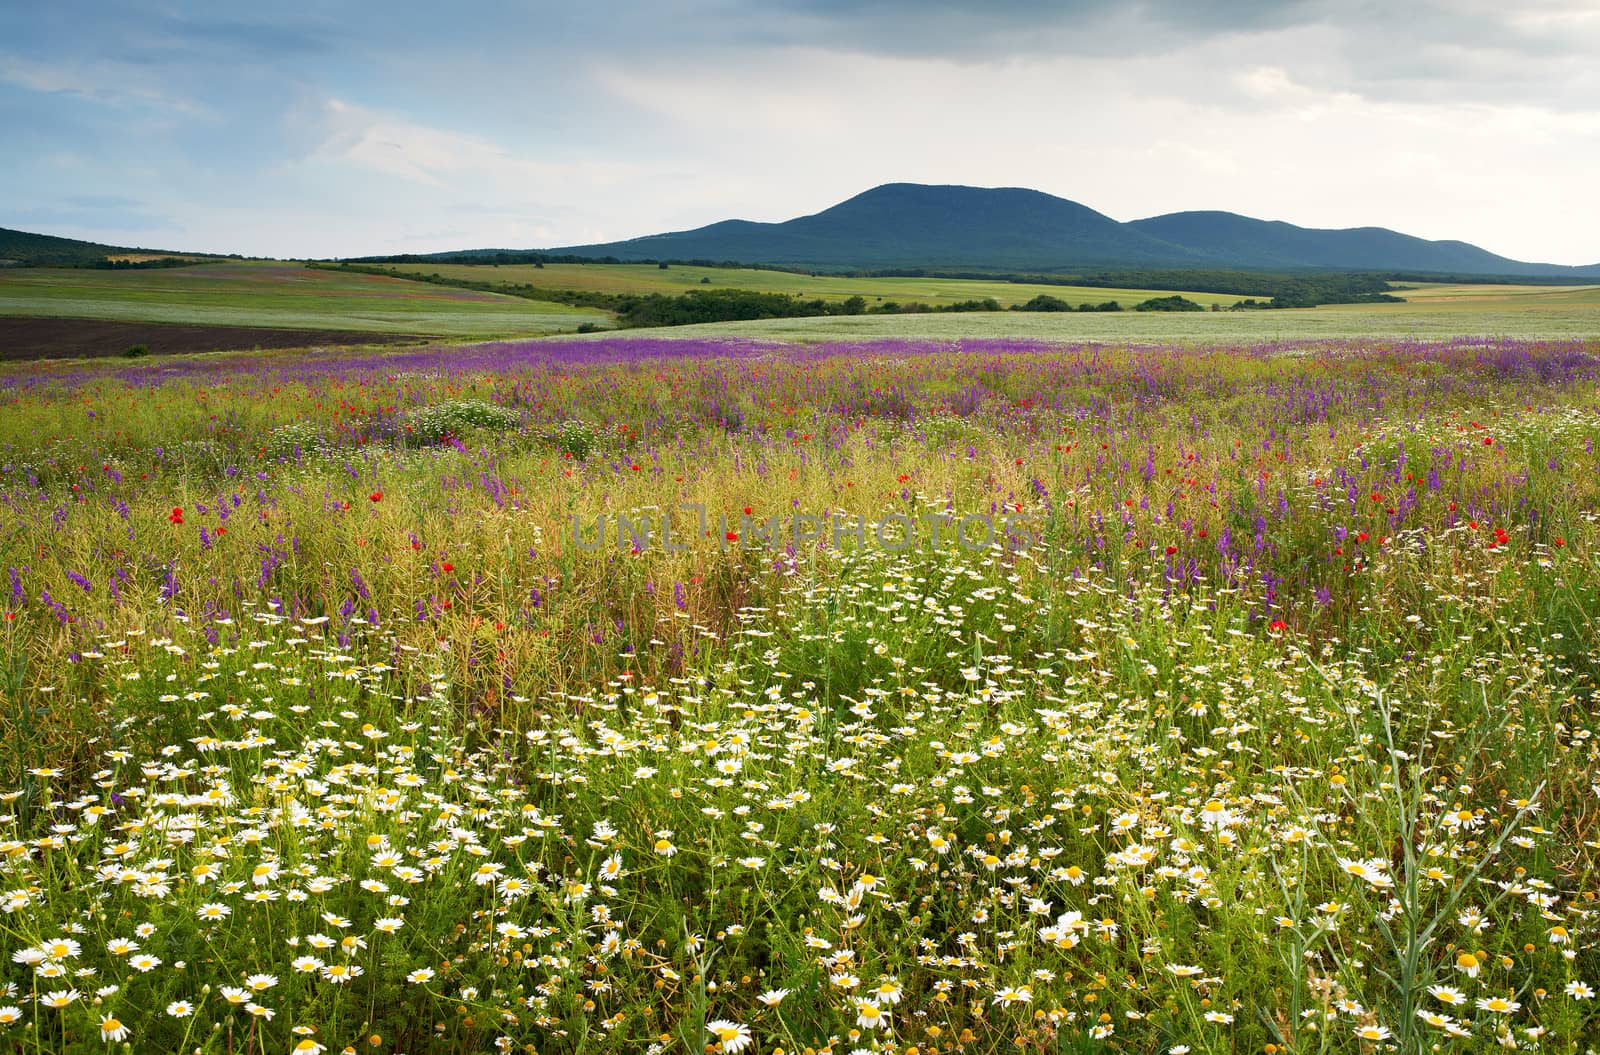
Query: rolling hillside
(903, 225)
(26, 249)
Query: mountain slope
(1229, 238)
(912, 225)
(904, 225)
(26, 249)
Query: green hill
(1241, 241)
(910, 225)
(25, 249)
(902, 225)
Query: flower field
(1261, 718)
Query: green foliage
(456, 418)
(577, 439)
(1173, 303)
(136, 351)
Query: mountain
(25, 249)
(1228, 238)
(910, 225)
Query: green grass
(279, 295)
(1389, 320)
(649, 278)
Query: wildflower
(180, 1009)
(1499, 1005)
(665, 848)
(1007, 996)
(1468, 965)
(1579, 991)
(1221, 1017)
(1446, 994)
(144, 963)
(731, 1036)
(388, 924)
(774, 997)
(1373, 1032)
(340, 973)
(10, 1016)
(888, 991)
(112, 1030)
(307, 1046)
(1371, 870)
(59, 998)
(61, 949)
(260, 983)
(870, 1016)
(420, 976)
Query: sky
(331, 128)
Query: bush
(577, 438)
(1043, 302)
(457, 417)
(1172, 303)
(297, 439)
(136, 351)
(589, 327)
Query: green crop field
(279, 295)
(1432, 319)
(649, 278)
(1501, 298)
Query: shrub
(1172, 303)
(577, 438)
(135, 351)
(457, 417)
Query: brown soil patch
(23, 338)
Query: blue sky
(350, 128)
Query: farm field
(1428, 320)
(905, 695)
(274, 295)
(681, 278)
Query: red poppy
(1171, 550)
(176, 516)
(376, 496)
(1278, 626)
(447, 566)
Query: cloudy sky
(340, 128)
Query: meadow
(1263, 720)
(268, 294)
(681, 278)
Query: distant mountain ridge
(918, 225)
